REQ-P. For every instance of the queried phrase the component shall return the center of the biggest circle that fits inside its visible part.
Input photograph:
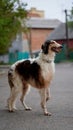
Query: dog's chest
(48, 70)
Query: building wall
(71, 44)
(38, 36)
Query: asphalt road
(60, 104)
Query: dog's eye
(52, 42)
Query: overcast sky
(53, 8)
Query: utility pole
(30, 49)
(67, 38)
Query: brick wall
(38, 37)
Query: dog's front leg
(43, 101)
(47, 94)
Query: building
(30, 43)
(38, 29)
(33, 12)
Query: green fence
(13, 57)
(23, 55)
(62, 56)
(71, 55)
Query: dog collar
(48, 61)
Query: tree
(11, 11)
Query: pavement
(60, 104)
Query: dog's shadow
(20, 115)
(21, 119)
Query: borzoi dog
(36, 72)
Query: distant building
(20, 44)
(33, 12)
(39, 28)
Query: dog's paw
(28, 109)
(47, 114)
(11, 111)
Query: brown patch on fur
(30, 72)
(23, 69)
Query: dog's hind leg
(14, 91)
(11, 100)
(24, 92)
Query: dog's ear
(45, 47)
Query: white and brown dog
(36, 72)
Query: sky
(54, 9)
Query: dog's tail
(10, 78)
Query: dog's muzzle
(57, 49)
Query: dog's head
(51, 46)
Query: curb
(2, 72)
(4, 66)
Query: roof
(42, 23)
(60, 33)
